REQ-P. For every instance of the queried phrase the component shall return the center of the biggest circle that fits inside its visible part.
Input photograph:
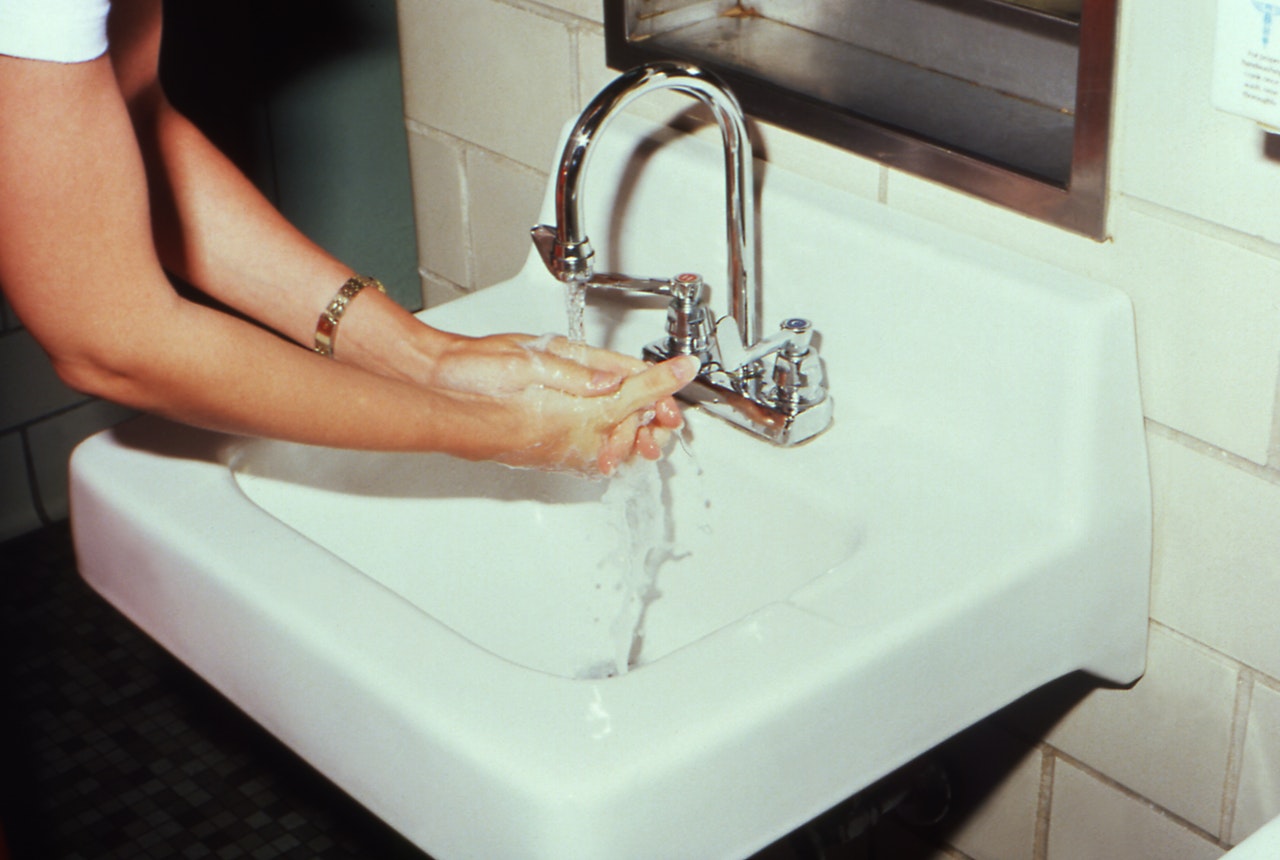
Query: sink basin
(562, 568)
(447, 641)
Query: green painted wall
(306, 98)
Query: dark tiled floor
(109, 748)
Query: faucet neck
(573, 249)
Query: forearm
(215, 229)
(200, 366)
(208, 369)
(78, 265)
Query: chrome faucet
(773, 387)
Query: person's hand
(504, 365)
(546, 428)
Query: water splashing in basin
(645, 542)
(637, 490)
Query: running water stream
(635, 490)
(575, 303)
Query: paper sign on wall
(1246, 60)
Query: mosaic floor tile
(110, 748)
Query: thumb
(653, 384)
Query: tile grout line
(1044, 804)
(1235, 753)
(1115, 785)
(1186, 440)
(1273, 450)
(33, 482)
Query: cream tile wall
(1187, 762)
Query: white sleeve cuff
(66, 31)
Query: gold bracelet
(327, 327)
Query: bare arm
(79, 265)
(216, 230)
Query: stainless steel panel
(1010, 104)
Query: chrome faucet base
(773, 418)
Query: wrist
(380, 336)
(326, 335)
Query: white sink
(436, 636)
(1262, 845)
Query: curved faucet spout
(569, 256)
(774, 388)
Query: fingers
(667, 414)
(636, 434)
(572, 377)
(649, 413)
(592, 356)
(651, 440)
(586, 371)
(618, 445)
(656, 384)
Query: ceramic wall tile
(1217, 558)
(17, 509)
(505, 198)
(592, 10)
(29, 387)
(493, 74)
(996, 788)
(993, 223)
(1166, 738)
(818, 161)
(436, 291)
(593, 72)
(1092, 820)
(1208, 316)
(1258, 796)
(440, 211)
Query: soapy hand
(506, 363)
(551, 429)
(593, 435)
(578, 408)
